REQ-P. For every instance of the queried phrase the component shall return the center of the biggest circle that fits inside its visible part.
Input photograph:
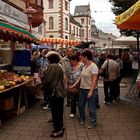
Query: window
(70, 29)
(39, 2)
(66, 24)
(89, 21)
(89, 33)
(50, 4)
(82, 33)
(40, 30)
(50, 36)
(51, 23)
(66, 5)
(73, 30)
(32, 1)
(77, 31)
(82, 21)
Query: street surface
(118, 121)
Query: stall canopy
(5, 27)
(116, 47)
(130, 19)
(125, 40)
(59, 41)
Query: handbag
(104, 72)
(74, 90)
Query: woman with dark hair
(72, 74)
(53, 79)
(88, 88)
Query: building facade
(60, 24)
(56, 13)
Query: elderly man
(65, 64)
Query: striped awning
(18, 31)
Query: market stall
(59, 41)
(15, 54)
(13, 38)
(125, 40)
(130, 19)
(12, 92)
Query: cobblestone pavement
(118, 121)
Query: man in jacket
(110, 81)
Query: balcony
(37, 18)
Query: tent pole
(138, 45)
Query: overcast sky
(101, 13)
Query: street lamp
(29, 11)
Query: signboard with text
(12, 12)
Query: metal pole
(138, 46)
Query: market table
(21, 92)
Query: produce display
(8, 79)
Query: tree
(119, 6)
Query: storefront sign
(12, 12)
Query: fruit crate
(7, 104)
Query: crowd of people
(61, 73)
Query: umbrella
(130, 19)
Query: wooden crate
(7, 104)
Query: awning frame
(16, 30)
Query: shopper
(72, 74)
(65, 64)
(113, 69)
(88, 88)
(53, 79)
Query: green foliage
(119, 6)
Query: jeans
(92, 101)
(110, 90)
(74, 100)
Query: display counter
(20, 94)
(5, 67)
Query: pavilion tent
(117, 47)
(125, 40)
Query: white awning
(14, 22)
(117, 47)
(125, 40)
